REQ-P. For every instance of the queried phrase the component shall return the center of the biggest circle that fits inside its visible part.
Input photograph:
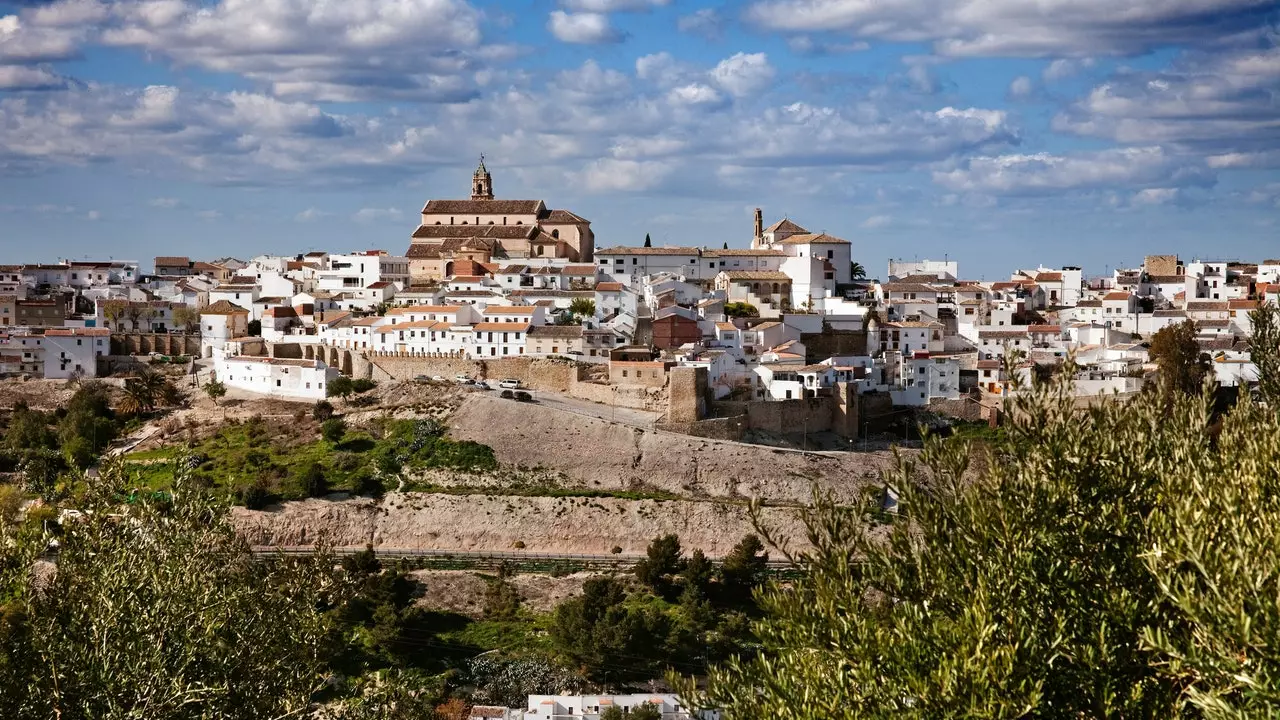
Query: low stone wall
(135, 343)
(962, 408)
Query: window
(624, 373)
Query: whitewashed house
(277, 377)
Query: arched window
(464, 222)
(555, 234)
(775, 288)
(437, 222)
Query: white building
(346, 273)
(589, 707)
(220, 322)
(941, 269)
(630, 265)
(74, 351)
(499, 339)
(277, 377)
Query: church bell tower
(481, 183)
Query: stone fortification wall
(534, 373)
(591, 453)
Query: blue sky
(1001, 133)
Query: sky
(1002, 134)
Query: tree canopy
(1177, 354)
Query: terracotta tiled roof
(1045, 328)
(463, 208)
(419, 309)
(497, 232)
(223, 307)
(1206, 305)
(785, 225)
(813, 239)
(74, 332)
(743, 252)
(509, 310)
(908, 287)
(1049, 277)
(172, 261)
(628, 250)
(1242, 304)
(1117, 296)
(563, 332)
(579, 270)
(563, 216)
(753, 275)
(609, 287)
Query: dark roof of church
(501, 232)
(485, 207)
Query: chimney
(759, 223)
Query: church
(486, 230)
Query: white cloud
(1044, 173)
(1066, 67)
(334, 51)
(707, 23)
(1021, 87)
(1156, 196)
(607, 6)
(93, 215)
(807, 45)
(876, 221)
(370, 215)
(208, 214)
(164, 202)
(21, 77)
(50, 209)
(743, 74)
(694, 94)
(610, 175)
(1222, 106)
(23, 41)
(1064, 28)
(585, 28)
(311, 215)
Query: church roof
(812, 239)
(501, 232)
(485, 207)
(564, 216)
(785, 225)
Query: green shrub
(333, 430)
(362, 385)
(313, 482)
(364, 483)
(256, 495)
(322, 410)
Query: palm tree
(857, 272)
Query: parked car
(481, 385)
(421, 378)
(463, 379)
(437, 378)
(509, 384)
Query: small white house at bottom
(278, 377)
(589, 707)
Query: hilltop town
(534, 429)
(785, 335)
